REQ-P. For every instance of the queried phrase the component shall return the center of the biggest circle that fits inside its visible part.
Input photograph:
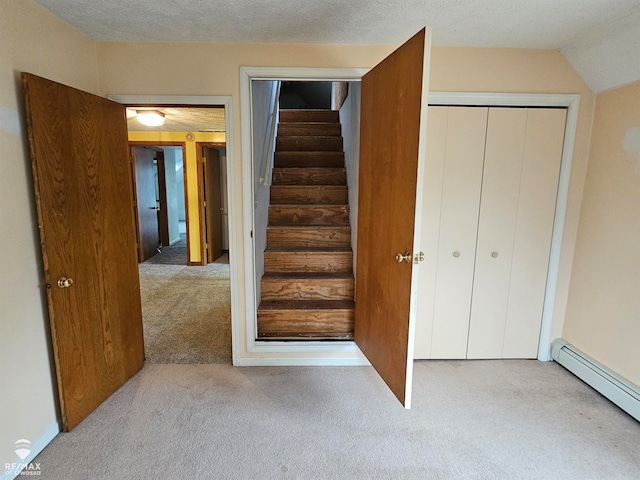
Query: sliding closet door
(463, 153)
(519, 189)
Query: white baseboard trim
(36, 447)
(620, 391)
(301, 362)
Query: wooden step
(309, 128)
(307, 319)
(334, 236)
(296, 286)
(309, 176)
(309, 159)
(309, 115)
(308, 261)
(309, 194)
(308, 215)
(309, 143)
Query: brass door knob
(418, 257)
(403, 258)
(65, 282)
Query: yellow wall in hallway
(191, 177)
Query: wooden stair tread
(307, 275)
(306, 305)
(309, 227)
(309, 176)
(309, 250)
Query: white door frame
(572, 103)
(275, 352)
(235, 254)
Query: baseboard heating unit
(620, 391)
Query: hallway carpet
(505, 419)
(186, 313)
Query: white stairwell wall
(350, 121)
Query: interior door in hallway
(392, 143)
(146, 182)
(83, 192)
(213, 199)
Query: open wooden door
(213, 199)
(392, 136)
(146, 198)
(84, 200)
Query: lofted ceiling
(601, 38)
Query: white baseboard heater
(620, 391)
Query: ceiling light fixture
(150, 118)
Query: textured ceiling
(564, 25)
(180, 120)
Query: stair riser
(295, 195)
(308, 262)
(307, 289)
(311, 215)
(309, 176)
(329, 116)
(306, 323)
(305, 159)
(297, 129)
(308, 237)
(309, 143)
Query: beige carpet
(512, 420)
(186, 313)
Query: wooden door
(213, 198)
(392, 128)
(144, 160)
(83, 193)
(163, 199)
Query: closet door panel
(536, 211)
(432, 199)
(464, 155)
(504, 153)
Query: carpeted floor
(512, 420)
(186, 312)
(175, 254)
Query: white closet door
(504, 153)
(430, 228)
(532, 244)
(463, 158)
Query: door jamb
(235, 254)
(274, 352)
(572, 103)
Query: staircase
(307, 288)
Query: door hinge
(251, 233)
(204, 203)
(206, 246)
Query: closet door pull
(494, 254)
(456, 254)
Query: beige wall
(32, 40)
(603, 313)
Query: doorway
(185, 286)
